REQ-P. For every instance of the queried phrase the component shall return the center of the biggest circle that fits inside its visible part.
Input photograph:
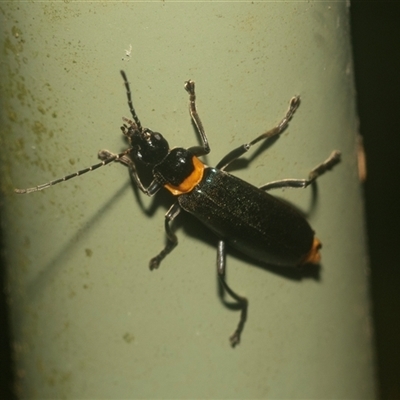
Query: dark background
(376, 48)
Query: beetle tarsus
(243, 304)
(235, 338)
(331, 161)
(154, 263)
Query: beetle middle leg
(172, 240)
(242, 302)
(278, 129)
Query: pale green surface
(89, 319)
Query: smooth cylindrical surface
(89, 319)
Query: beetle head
(147, 146)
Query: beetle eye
(147, 136)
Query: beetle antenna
(113, 158)
(130, 104)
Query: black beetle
(240, 214)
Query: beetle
(241, 215)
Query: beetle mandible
(241, 215)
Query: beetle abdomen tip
(313, 256)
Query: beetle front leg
(149, 191)
(319, 170)
(172, 240)
(205, 148)
(242, 302)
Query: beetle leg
(205, 148)
(241, 301)
(239, 151)
(172, 240)
(221, 258)
(152, 189)
(320, 169)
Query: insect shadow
(47, 273)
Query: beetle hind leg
(319, 170)
(242, 302)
